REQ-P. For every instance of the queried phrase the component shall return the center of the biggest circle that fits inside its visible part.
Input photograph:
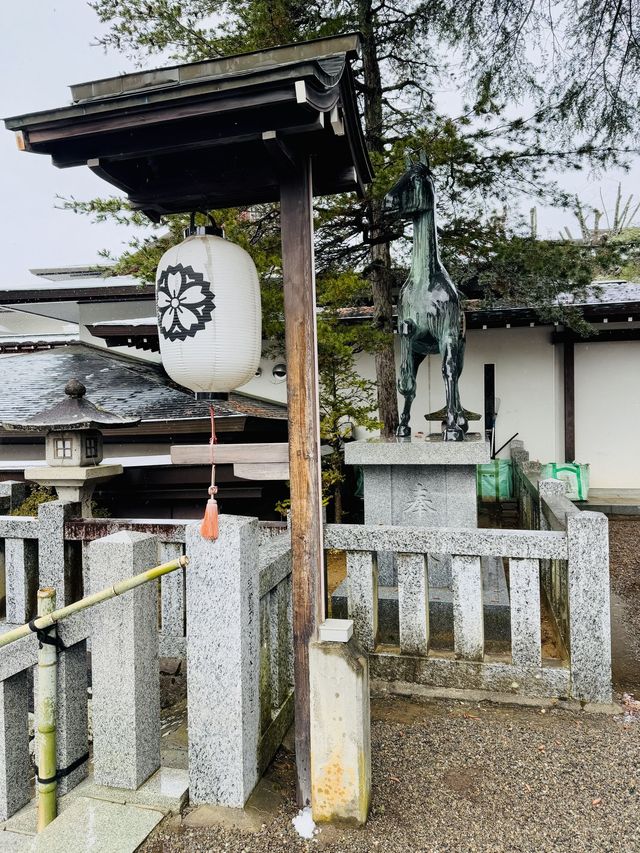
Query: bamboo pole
(46, 621)
(46, 716)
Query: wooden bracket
(279, 152)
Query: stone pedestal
(73, 483)
(419, 483)
(425, 483)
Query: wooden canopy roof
(214, 133)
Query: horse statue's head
(413, 193)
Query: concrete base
(340, 732)
(497, 611)
(120, 819)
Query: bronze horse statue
(429, 316)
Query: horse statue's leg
(461, 419)
(407, 380)
(452, 355)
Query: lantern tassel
(209, 526)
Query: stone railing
(63, 541)
(236, 594)
(583, 545)
(543, 505)
(526, 475)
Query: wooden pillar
(304, 443)
(569, 403)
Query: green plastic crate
(576, 476)
(494, 480)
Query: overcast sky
(47, 47)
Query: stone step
(15, 842)
(96, 825)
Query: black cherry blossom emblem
(184, 302)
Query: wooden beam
(262, 471)
(230, 454)
(296, 222)
(569, 403)
(604, 336)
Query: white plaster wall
(607, 413)
(266, 386)
(21, 323)
(526, 380)
(526, 371)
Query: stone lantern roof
(73, 413)
(73, 445)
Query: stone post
(549, 489)
(223, 660)
(171, 602)
(124, 650)
(340, 725)
(589, 608)
(518, 452)
(15, 767)
(12, 494)
(57, 569)
(21, 575)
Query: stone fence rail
(235, 596)
(543, 504)
(63, 541)
(582, 546)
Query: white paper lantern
(209, 314)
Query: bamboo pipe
(46, 621)
(46, 716)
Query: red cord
(209, 526)
(212, 442)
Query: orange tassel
(209, 526)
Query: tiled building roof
(35, 381)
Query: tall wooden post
(296, 219)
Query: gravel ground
(455, 777)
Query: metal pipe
(46, 717)
(51, 618)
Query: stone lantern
(73, 446)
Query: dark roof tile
(32, 382)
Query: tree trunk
(380, 254)
(383, 318)
(337, 504)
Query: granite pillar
(15, 767)
(124, 650)
(21, 574)
(56, 566)
(223, 662)
(589, 606)
(59, 566)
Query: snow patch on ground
(303, 823)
